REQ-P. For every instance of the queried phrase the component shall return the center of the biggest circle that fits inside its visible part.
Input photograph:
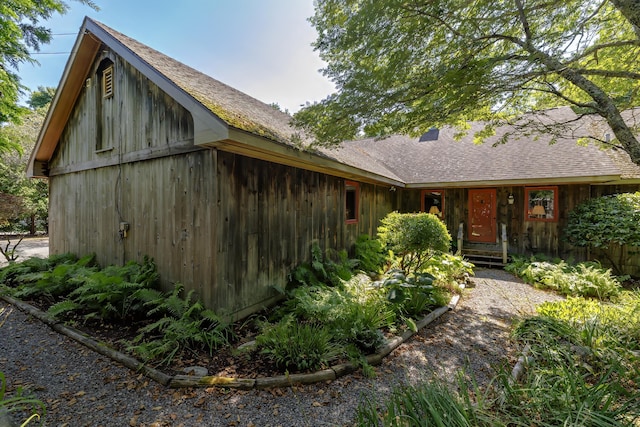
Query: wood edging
(182, 381)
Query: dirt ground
(29, 247)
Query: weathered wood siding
(531, 237)
(225, 225)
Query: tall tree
(22, 198)
(42, 97)
(21, 32)
(407, 65)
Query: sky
(261, 47)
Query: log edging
(182, 381)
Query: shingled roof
(445, 161)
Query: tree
(405, 66)
(20, 32)
(22, 198)
(605, 222)
(42, 97)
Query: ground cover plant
(335, 309)
(582, 369)
(586, 279)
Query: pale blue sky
(261, 47)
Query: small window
(433, 202)
(542, 203)
(107, 82)
(352, 196)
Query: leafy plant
(112, 293)
(18, 273)
(605, 221)
(587, 279)
(427, 404)
(20, 402)
(298, 346)
(58, 282)
(414, 238)
(323, 269)
(370, 254)
(185, 325)
(412, 295)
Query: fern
(185, 325)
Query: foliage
(22, 199)
(414, 238)
(586, 279)
(412, 295)
(298, 346)
(112, 293)
(323, 269)
(605, 221)
(55, 283)
(355, 313)
(448, 270)
(580, 371)
(42, 97)
(370, 254)
(20, 402)
(184, 325)
(18, 273)
(404, 67)
(427, 404)
(21, 33)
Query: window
(542, 203)
(352, 196)
(107, 82)
(433, 202)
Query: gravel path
(82, 388)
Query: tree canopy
(404, 66)
(21, 33)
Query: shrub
(412, 295)
(111, 293)
(586, 279)
(370, 254)
(414, 238)
(604, 221)
(296, 346)
(184, 325)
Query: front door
(482, 215)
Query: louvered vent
(107, 82)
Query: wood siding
(532, 237)
(226, 225)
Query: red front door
(482, 215)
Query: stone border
(181, 381)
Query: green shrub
(296, 346)
(18, 273)
(323, 270)
(355, 312)
(586, 279)
(183, 325)
(111, 293)
(412, 295)
(604, 221)
(370, 254)
(58, 282)
(414, 238)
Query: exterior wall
(228, 226)
(532, 237)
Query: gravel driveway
(82, 388)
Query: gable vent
(107, 82)
(431, 135)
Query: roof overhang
(601, 180)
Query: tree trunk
(630, 9)
(32, 225)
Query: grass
(583, 366)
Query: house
(147, 156)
